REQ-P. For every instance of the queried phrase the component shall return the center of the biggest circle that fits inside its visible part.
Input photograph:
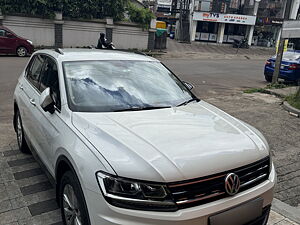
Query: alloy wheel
(71, 206)
(21, 52)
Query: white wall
(79, 34)
(125, 37)
(39, 31)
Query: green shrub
(87, 9)
(141, 16)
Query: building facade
(222, 21)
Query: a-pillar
(109, 29)
(58, 30)
(221, 30)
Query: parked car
(289, 69)
(10, 43)
(127, 142)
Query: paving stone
(14, 216)
(39, 197)
(12, 189)
(21, 168)
(20, 162)
(35, 188)
(43, 207)
(5, 206)
(28, 173)
(10, 153)
(18, 202)
(32, 180)
(274, 218)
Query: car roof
(83, 54)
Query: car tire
(23, 147)
(72, 202)
(22, 51)
(268, 78)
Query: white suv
(127, 142)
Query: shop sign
(224, 18)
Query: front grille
(211, 188)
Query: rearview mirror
(188, 85)
(46, 101)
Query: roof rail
(59, 50)
(130, 51)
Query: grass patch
(293, 100)
(269, 86)
(255, 90)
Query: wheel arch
(63, 164)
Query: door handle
(21, 87)
(32, 102)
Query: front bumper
(103, 213)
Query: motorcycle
(240, 43)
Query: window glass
(103, 86)
(49, 78)
(2, 33)
(33, 74)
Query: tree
(89, 9)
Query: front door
(8, 42)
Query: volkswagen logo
(232, 183)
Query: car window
(33, 74)
(49, 78)
(2, 33)
(112, 85)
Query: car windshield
(107, 86)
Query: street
(219, 82)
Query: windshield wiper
(187, 102)
(142, 108)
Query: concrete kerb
(286, 210)
(293, 111)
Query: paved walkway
(212, 50)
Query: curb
(293, 111)
(286, 210)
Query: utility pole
(288, 4)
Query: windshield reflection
(103, 86)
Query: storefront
(267, 31)
(221, 28)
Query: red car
(10, 43)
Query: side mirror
(46, 101)
(188, 85)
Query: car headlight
(132, 194)
(30, 42)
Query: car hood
(172, 144)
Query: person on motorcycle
(102, 42)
